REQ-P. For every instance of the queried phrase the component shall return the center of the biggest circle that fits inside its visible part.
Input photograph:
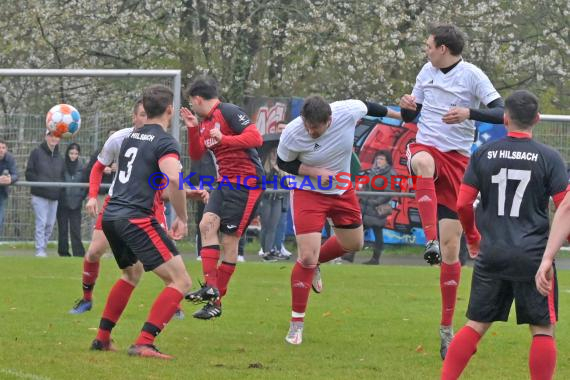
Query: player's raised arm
(196, 146)
(378, 110)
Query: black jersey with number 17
(516, 176)
(133, 195)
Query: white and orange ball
(63, 120)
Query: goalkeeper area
(369, 323)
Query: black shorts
(235, 207)
(137, 239)
(491, 301)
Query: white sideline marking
(22, 375)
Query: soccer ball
(63, 120)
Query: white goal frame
(176, 76)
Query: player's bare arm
(394, 114)
(171, 167)
(197, 195)
(558, 234)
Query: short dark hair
(111, 130)
(138, 102)
(156, 99)
(2, 141)
(448, 35)
(522, 106)
(384, 153)
(206, 87)
(316, 109)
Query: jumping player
(318, 145)
(228, 133)
(448, 92)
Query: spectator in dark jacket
(70, 204)
(45, 164)
(375, 209)
(108, 173)
(8, 176)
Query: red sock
(462, 347)
(542, 358)
(90, 274)
(427, 206)
(116, 302)
(330, 250)
(449, 276)
(210, 256)
(301, 278)
(160, 314)
(225, 272)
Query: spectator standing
(271, 209)
(70, 204)
(8, 176)
(45, 164)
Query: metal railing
(19, 219)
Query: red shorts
(310, 209)
(99, 222)
(449, 170)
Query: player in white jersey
(448, 92)
(316, 147)
(110, 154)
(99, 244)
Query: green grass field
(369, 323)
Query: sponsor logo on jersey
(243, 119)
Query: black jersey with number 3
(141, 151)
(516, 176)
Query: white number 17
(523, 176)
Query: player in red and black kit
(228, 133)
(516, 176)
(137, 239)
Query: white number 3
(130, 153)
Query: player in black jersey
(137, 239)
(516, 176)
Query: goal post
(175, 75)
(18, 224)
